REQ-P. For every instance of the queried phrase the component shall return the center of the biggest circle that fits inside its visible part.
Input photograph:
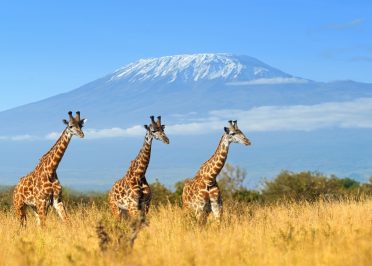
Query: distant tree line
(286, 186)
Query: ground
(322, 233)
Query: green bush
(310, 186)
(179, 189)
(162, 195)
(6, 194)
(246, 195)
(72, 198)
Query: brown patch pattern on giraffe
(130, 196)
(41, 188)
(201, 193)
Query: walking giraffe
(201, 193)
(41, 188)
(130, 196)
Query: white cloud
(350, 114)
(114, 132)
(91, 133)
(53, 135)
(18, 137)
(338, 26)
(22, 137)
(191, 128)
(346, 25)
(187, 115)
(269, 81)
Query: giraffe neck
(211, 168)
(143, 158)
(53, 157)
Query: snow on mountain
(197, 67)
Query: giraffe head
(75, 124)
(156, 130)
(234, 134)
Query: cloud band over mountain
(349, 114)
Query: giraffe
(41, 188)
(130, 196)
(201, 193)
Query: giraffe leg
(186, 195)
(146, 194)
(201, 217)
(41, 213)
(216, 202)
(116, 212)
(57, 201)
(201, 211)
(144, 208)
(136, 223)
(138, 218)
(21, 214)
(20, 207)
(60, 208)
(202, 207)
(36, 215)
(137, 213)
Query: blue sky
(50, 47)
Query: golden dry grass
(292, 234)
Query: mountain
(195, 94)
(177, 85)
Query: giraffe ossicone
(201, 193)
(41, 188)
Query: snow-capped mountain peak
(196, 67)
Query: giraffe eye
(70, 126)
(232, 133)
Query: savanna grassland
(302, 233)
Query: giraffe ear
(227, 130)
(65, 121)
(82, 122)
(146, 127)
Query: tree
(230, 180)
(231, 183)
